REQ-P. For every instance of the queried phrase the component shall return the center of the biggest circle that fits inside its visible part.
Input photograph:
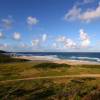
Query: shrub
(51, 65)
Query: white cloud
(54, 45)
(35, 42)
(84, 38)
(73, 13)
(61, 39)
(90, 14)
(23, 45)
(87, 15)
(32, 20)
(85, 43)
(70, 43)
(5, 46)
(67, 42)
(44, 37)
(83, 2)
(1, 35)
(16, 36)
(87, 1)
(7, 22)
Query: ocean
(85, 56)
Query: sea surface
(85, 56)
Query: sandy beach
(57, 60)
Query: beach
(57, 60)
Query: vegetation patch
(51, 65)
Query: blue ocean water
(86, 56)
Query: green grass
(51, 65)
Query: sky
(50, 25)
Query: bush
(51, 65)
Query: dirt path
(54, 77)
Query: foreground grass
(60, 89)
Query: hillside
(5, 58)
(1, 51)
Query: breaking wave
(95, 57)
(85, 58)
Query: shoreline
(57, 60)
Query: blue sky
(50, 25)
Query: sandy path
(54, 77)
